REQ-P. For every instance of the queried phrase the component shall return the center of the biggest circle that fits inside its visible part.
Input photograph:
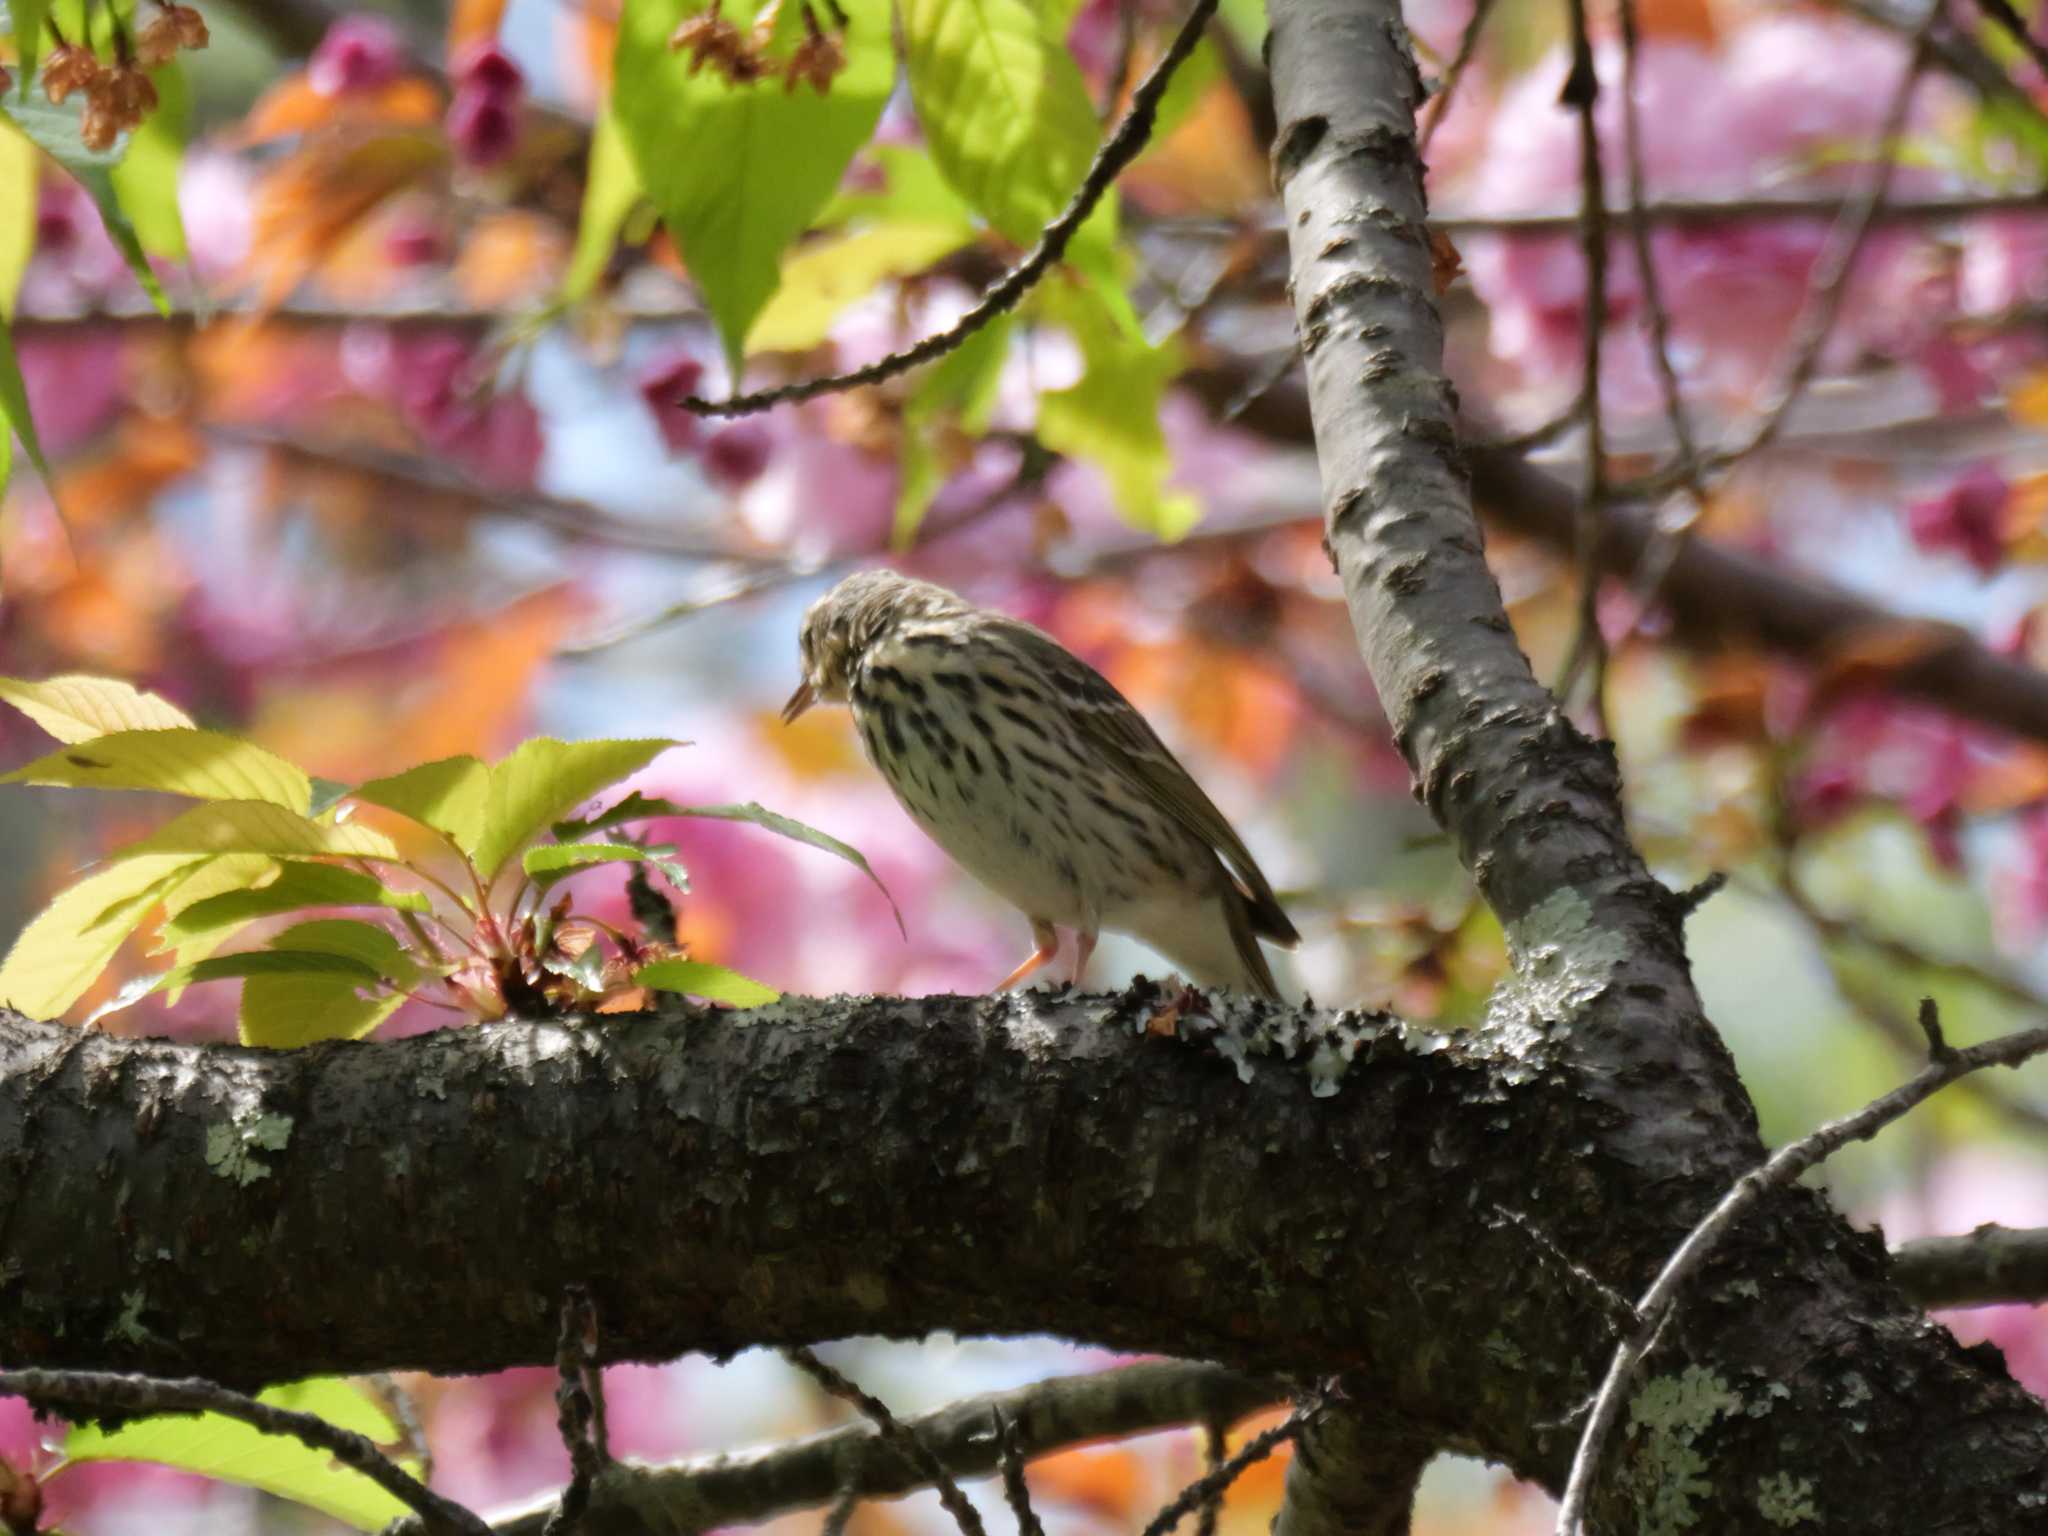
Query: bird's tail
(1220, 948)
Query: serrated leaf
(821, 279)
(76, 707)
(146, 179)
(542, 779)
(714, 983)
(639, 807)
(235, 1452)
(1007, 115)
(202, 882)
(327, 793)
(283, 1012)
(611, 188)
(553, 861)
(297, 886)
(350, 938)
(1110, 418)
(55, 130)
(235, 967)
(255, 826)
(451, 795)
(206, 765)
(66, 945)
(18, 196)
(739, 171)
(27, 17)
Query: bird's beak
(804, 697)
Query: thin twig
(1213, 1442)
(1117, 151)
(1779, 1170)
(2001, 15)
(579, 1390)
(892, 1429)
(84, 1394)
(1014, 1487)
(1454, 72)
(841, 1511)
(405, 1413)
(1213, 1485)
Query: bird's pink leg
(1084, 946)
(1048, 946)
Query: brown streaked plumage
(1028, 767)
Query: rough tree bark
(1446, 1220)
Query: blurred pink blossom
(737, 455)
(1967, 519)
(361, 52)
(495, 433)
(76, 383)
(665, 380)
(483, 119)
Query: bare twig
(841, 1512)
(405, 1413)
(1212, 1485)
(579, 1396)
(86, 1394)
(1762, 208)
(1213, 1442)
(1454, 72)
(892, 1429)
(1117, 151)
(1779, 1170)
(1014, 1487)
(1982, 1268)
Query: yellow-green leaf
(284, 1011)
(76, 707)
(610, 189)
(146, 180)
(713, 983)
(180, 761)
(14, 411)
(297, 886)
(543, 779)
(66, 945)
(822, 278)
(367, 944)
(26, 17)
(18, 178)
(451, 795)
(256, 826)
(235, 1452)
(237, 967)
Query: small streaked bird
(1042, 781)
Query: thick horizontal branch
(746, 1487)
(1990, 1265)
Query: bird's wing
(1112, 725)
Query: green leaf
(255, 962)
(1111, 417)
(963, 384)
(284, 1012)
(368, 944)
(18, 178)
(610, 190)
(146, 180)
(327, 793)
(451, 795)
(298, 885)
(181, 761)
(202, 882)
(639, 807)
(714, 983)
(14, 410)
(55, 131)
(66, 945)
(76, 707)
(738, 172)
(553, 861)
(822, 278)
(256, 826)
(235, 1452)
(26, 19)
(1007, 115)
(912, 192)
(542, 779)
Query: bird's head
(842, 625)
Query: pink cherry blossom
(361, 52)
(1968, 518)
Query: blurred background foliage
(393, 470)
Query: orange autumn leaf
(1730, 703)
(512, 257)
(2018, 778)
(1873, 655)
(2028, 401)
(1108, 1480)
(1677, 20)
(293, 107)
(473, 21)
(2026, 518)
(1208, 164)
(311, 201)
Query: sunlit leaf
(451, 795)
(26, 18)
(714, 983)
(1007, 115)
(542, 779)
(1110, 418)
(203, 764)
(739, 171)
(255, 826)
(284, 1011)
(610, 189)
(66, 945)
(14, 412)
(236, 967)
(76, 707)
(235, 1452)
(639, 807)
(18, 195)
(822, 278)
(298, 885)
(912, 192)
(55, 129)
(146, 179)
(202, 882)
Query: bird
(1040, 779)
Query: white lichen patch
(1561, 961)
(1319, 1045)
(1786, 1501)
(1667, 1468)
(232, 1146)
